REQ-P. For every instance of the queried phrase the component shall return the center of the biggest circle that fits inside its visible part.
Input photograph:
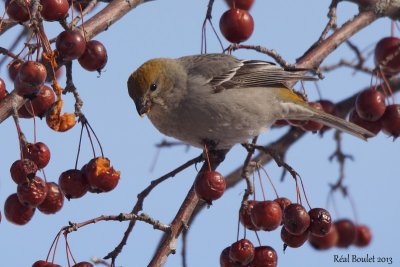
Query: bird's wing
(257, 73)
(211, 66)
(224, 72)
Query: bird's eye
(153, 87)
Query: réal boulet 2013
(362, 259)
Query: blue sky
(173, 29)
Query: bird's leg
(212, 155)
(206, 156)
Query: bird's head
(153, 84)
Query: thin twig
(341, 159)
(139, 205)
(270, 52)
(87, 9)
(331, 25)
(71, 88)
(72, 227)
(346, 63)
(275, 155)
(246, 170)
(208, 18)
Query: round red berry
(387, 55)
(372, 126)
(370, 104)
(265, 256)
(236, 25)
(70, 44)
(39, 105)
(390, 120)
(293, 241)
(33, 192)
(364, 236)
(17, 213)
(53, 10)
(38, 153)
(18, 10)
(296, 219)
(95, 56)
(320, 222)
(245, 214)
(266, 215)
(73, 183)
(242, 252)
(209, 185)
(54, 199)
(347, 233)
(324, 242)
(23, 170)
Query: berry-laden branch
(311, 59)
(93, 26)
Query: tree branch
(93, 26)
(139, 205)
(316, 54)
(181, 220)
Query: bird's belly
(224, 123)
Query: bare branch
(270, 52)
(139, 205)
(313, 57)
(121, 217)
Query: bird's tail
(341, 124)
(303, 111)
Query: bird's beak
(143, 106)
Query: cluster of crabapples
(33, 192)
(237, 24)
(298, 225)
(29, 78)
(371, 110)
(70, 44)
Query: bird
(221, 100)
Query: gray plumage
(219, 98)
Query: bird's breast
(228, 117)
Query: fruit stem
(79, 148)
